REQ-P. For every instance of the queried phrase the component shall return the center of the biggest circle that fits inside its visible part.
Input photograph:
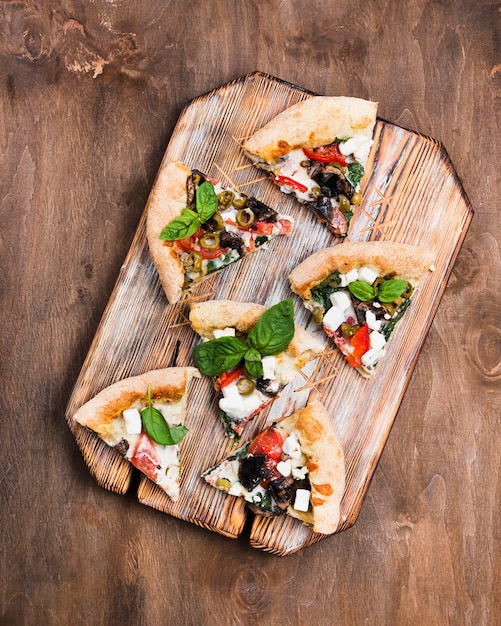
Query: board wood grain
(411, 195)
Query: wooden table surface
(89, 96)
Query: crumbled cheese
(291, 446)
(299, 472)
(372, 322)
(340, 299)
(349, 277)
(358, 146)
(269, 367)
(333, 318)
(132, 419)
(284, 467)
(302, 500)
(371, 357)
(239, 406)
(226, 332)
(367, 274)
(377, 340)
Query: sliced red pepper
(226, 378)
(326, 154)
(289, 182)
(361, 344)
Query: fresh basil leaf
(206, 201)
(181, 227)
(253, 363)
(157, 428)
(355, 173)
(391, 290)
(274, 330)
(219, 355)
(362, 290)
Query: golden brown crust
(407, 262)
(325, 457)
(166, 202)
(205, 317)
(102, 410)
(314, 122)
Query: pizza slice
(359, 292)
(296, 467)
(251, 352)
(317, 150)
(143, 418)
(196, 227)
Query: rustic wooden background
(89, 95)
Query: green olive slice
(217, 222)
(240, 203)
(209, 241)
(245, 386)
(245, 217)
(225, 198)
(192, 261)
(356, 198)
(223, 483)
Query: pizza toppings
(317, 150)
(249, 369)
(294, 467)
(142, 418)
(326, 179)
(218, 227)
(359, 292)
(270, 472)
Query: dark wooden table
(89, 95)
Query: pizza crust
(326, 466)
(166, 202)
(406, 261)
(100, 412)
(205, 317)
(315, 122)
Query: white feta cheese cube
(132, 419)
(284, 467)
(333, 318)
(372, 322)
(367, 274)
(302, 500)
(376, 340)
(225, 332)
(269, 367)
(371, 357)
(299, 472)
(340, 299)
(291, 446)
(349, 277)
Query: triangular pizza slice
(317, 150)
(296, 467)
(359, 292)
(196, 227)
(143, 418)
(251, 352)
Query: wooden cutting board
(411, 195)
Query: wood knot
(250, 586)
(484, 349)
(33, 42)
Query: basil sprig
(387, 291)
(157, 428)
(270, 336)
(190, 221)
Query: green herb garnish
(190, 221)
(270, 336)
(157, 428)
(355, 173)
(387, 291)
